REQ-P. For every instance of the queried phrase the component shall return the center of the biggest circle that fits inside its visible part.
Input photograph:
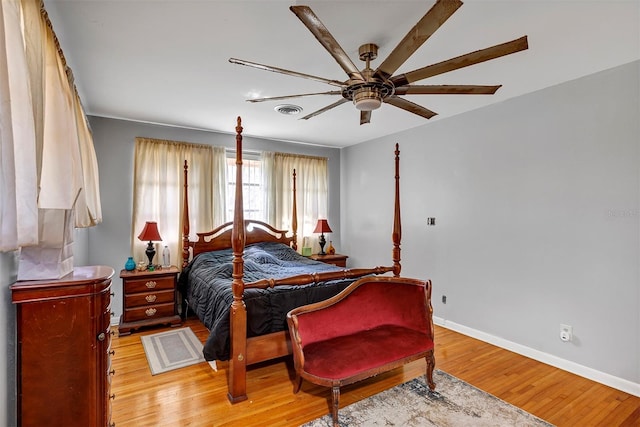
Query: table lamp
(150, 233)
(322, 227)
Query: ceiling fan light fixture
(367, 99)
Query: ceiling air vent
(288, 109)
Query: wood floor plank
(196, 396)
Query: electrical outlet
(444, 299)
(431, 221)
(566, 333)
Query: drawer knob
(150, 284)
(151, 298)
(150, 311)
(112, 372)
(112, 352)
(112, 396)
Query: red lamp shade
(150, 232)
(322, 227)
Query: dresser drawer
(148, 284)
(149, 312)
(149, 298)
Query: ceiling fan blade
(322, 110)
(462, 61)
(430, 22)
(365, 117)
(410, 106)
(278, 98)
(447, 90)
(287, 72)
(317, 28)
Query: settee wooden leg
(297, 383)
(335, 401)
(431, 364)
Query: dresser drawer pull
(113, 294)
(150, 311)
(150, 284)
(151, 298)
(112, 352)
(112, 372)
(101, 336)
(112, 396)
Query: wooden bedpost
(185, 219)
(396, 236)
(238, 362)
(294, 217)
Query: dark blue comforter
(206, 283)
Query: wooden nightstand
(335, 259)
(149, 299)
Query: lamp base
(322, 242)
(151, 252)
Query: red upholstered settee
(374, 325)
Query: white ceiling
(166, 61)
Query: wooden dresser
(150, 298)
(64, 354)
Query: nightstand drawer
(148, 284)
(149, 298)
(149, 312)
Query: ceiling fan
(368, 88)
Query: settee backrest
(366, 304)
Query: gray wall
(537, 210)
(8, 275)
(114, 140)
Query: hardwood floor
(196, 395)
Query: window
(158, 191)
(253, 189)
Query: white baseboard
(566, 365)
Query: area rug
(454, 403)
(171, 350)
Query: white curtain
(311, 190)
(159, 189)
(61, 172)
(88, 209)
(18, 180)
(48, 162)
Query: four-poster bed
(246, 279)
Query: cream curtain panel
(311, 190)
(159, 190)
(88, 209)
(18, 189)
(47, 154)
